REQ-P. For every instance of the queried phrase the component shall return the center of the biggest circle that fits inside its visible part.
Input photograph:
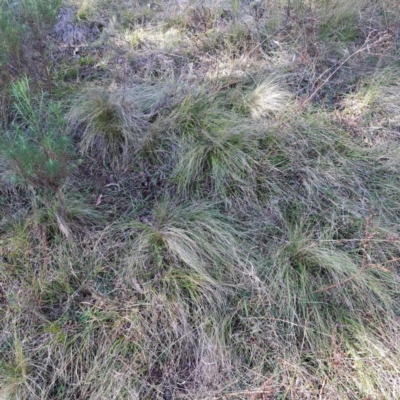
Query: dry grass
(114, 119)
(230, 228)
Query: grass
(114, 120)
(219, 158)
(207, 208)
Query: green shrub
(35, 143)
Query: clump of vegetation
(221, 159)
(39, 153)
(230, 228)
(114, 120)
(266, 99)
(36, 143)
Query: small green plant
(36, 145)
(36, 142)
(86, 9)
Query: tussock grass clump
(313, 268)
(217, 145)
(76, 215)
(222, 160)
(198, 236)
(113, 120)
(266, 100)
(46, 220)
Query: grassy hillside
(199, 199)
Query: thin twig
(321, 392)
